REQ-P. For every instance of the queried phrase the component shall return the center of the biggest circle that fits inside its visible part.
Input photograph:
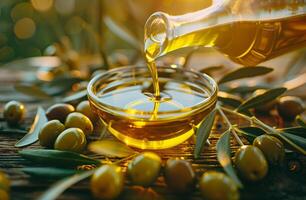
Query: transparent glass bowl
(120, 98)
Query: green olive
(4, 182)
(84, 108)
(4, 195)
(267, 107)
(289, 107)
(218, 186)
(78, 120)
(179, 175)
(107, 182)
(251, 163)
(144, 169)
(59, 111)
(71, 139)
(14, 112)
(272, 148)
(49, 133)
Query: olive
(218, 186)
(144, 169)
(14, 112)
(267, 107)
(107, 182)
(251, 163)
(59, 111)
(78, 120)
(179, 175)
(4, 195)
(4, 182)
(71, 139)
(84, 108)
(49, 133)
(272, 148)
(289, 107)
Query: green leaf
(300, 141)
(122, 33)
(60, 84)
(299, 131)
(57, 158)
(224, 156)
(229, 99)
(243, 89)
(111, 148)
(58, 188)
(203, 132)
(261, 99)
(75, 98)
(32, 91)
(49, 172)
(210, 69)
(32, 136)
(244, 72)
(13, 131)
(250, 133)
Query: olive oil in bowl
(125, 99)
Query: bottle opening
(157, 30)
(156, 33)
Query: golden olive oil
(134, 115)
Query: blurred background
(37, 27)
(53, 47)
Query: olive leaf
(250, 133)
(49, 172)
(75, 98)
(261, 99)
(210, 69)
(57, 157)
(229, 99)
(122, 33)
(60, 84)
(32, 90)
(299, 131)
(59, 187)
(245, 72)
(32, 136)
(111, 148)
(203, 132)
(13, 131)
(224, 156)
(243, 89)
(300, 141)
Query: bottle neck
(165, 33)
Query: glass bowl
(123, 100)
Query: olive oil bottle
(248, 32)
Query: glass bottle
(247, 31)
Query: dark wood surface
(281, 183)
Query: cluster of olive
(4, 186)
(67, 128)
(288, 107)
(108, 180)
(252, 160)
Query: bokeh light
(24, 28)
(22, 10)
(64, 7)
(42, 5)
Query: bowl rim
(209, 101)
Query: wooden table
(281, 183)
